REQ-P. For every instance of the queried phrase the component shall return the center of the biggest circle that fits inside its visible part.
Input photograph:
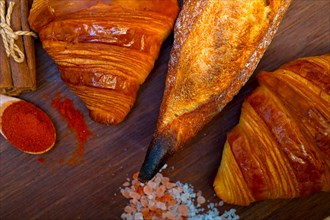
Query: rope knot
(9, 35)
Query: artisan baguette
(217, 46)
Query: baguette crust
(217, 46)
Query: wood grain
(90, 190)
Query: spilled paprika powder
(76, 123)
(28, 128)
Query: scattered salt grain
(126, 184)
(135, 195)
(161, 199)
(170, 185)
(201, 200)
(163, 168)
(160, 191)
(147, 190)
(165, 180)
(129, 209)
(125, 193)
(138, 216)
(157, 180)
(183, 210)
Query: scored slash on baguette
(217, 46)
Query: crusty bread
(217, 46)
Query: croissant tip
(107, 119)
(159, 150)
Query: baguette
(217, 46)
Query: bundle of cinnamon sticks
(17, 77)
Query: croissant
(104, 49)
(281, 146)
(217, 45)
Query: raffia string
(8, 35)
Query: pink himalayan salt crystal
(175, 192)
(148, 190)
(161, 199)
(151, 205)
(151, 197)
(183, 210)
(134, 202)
(134, 195)
(165, 180)
(161, 205)
(170, 185)
(153, 185)
(160, 191)
(129, 209)
(144, 201)
(125, 194)
(126, 184)
(145, 211)
(135, 184)
(157, 180)
(201, 200)
(169, 215)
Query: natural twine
(8, 35)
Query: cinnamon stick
(15, 77)
(28, 45)
(19, 71)
(6, 82)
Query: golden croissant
(217, 46)
(104, 49)
(281, 146)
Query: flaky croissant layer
(281, 146)
(104, 49)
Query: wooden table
(54, 189)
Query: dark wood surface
(90, 190)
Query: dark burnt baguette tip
(160, 149)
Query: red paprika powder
(76, 123)
(28, 128)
